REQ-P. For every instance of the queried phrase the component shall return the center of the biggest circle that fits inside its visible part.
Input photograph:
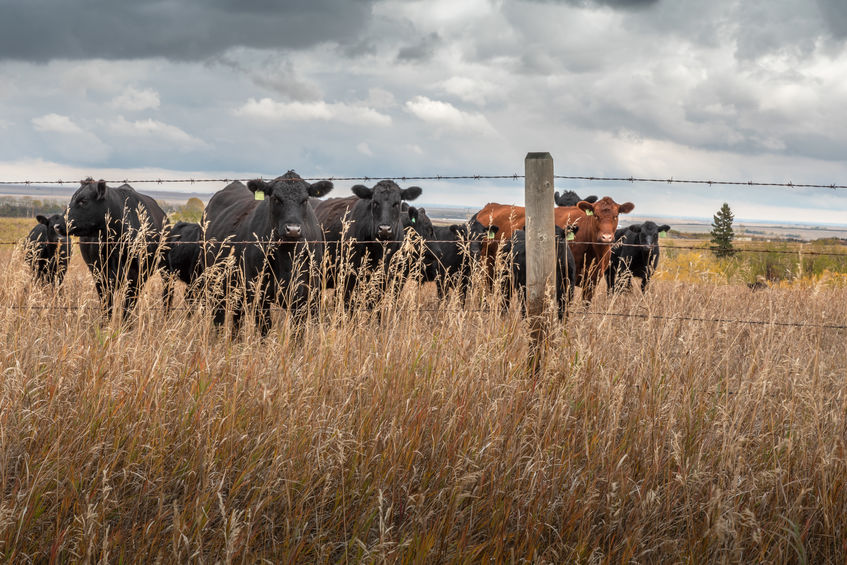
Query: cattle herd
(280, 242)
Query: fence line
(404, 178)
(665, 248)
(571, 314)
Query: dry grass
(419, 437)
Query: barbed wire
(514, 176)
(571, 314)
(665, 248)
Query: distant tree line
(26, 207)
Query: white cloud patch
(55, 123)
(446, 116)
(269, 109)
(134, 100)
(468, 89)
(364, 149)
(154, 129)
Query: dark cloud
(835, 16)
(43, 30)
(421, 50)
(626, 4)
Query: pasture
(414, 434)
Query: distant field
(662, 428)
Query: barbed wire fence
(478, 177)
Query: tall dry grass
(417, 435)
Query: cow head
(287, 199)
(55, 225)
(605, 213)
(571, 198)
(419, 222)
(480, 236)
(648, 234)
(87, 211)
(384, 206)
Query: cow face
(87, 211)
(648, 234)
(480, 236)
(384, 206)
(288, 202)
(420, 223)
(605, 213)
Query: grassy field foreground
(420, 438)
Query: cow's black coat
(276, 244)
(635, 253)
(375, 232)
(515, 250)
(183, 260)
(119, 234)
(571, 198)
(47, 253)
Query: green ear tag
(259, 195)
(571, 236)
(663, 234)
(589, 212)
(490, 235)
(413, 220)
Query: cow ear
(455, 228)
(626, 207)
(592, 198)
(410, 193)
(573, 228)
(101, 189)
(664, 227)
(258, 184)
(320, 188)
(42, 220)
(413, 214)
(585, 206)
(556, 198)
(362, 191)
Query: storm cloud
(181, 30)
(725, 89)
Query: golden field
(652, 433)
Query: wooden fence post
(540, 246)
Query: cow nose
(606, 238)
(292, 231)
(384, 231)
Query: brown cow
(592, 244)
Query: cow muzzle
(606, 238)
(292, 231)
(384, 231)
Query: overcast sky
(724, 90)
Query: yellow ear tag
(589, 212)
(259, 195)
(571, 236)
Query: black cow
(119, 234)
(375, 232)
(635, 253)
(183, 260)
(275, 240)
(515, 250)
(570, 198)
(47, 254)
(452, 254)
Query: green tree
(191, 211)
(722, 234)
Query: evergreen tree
(722, 234)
